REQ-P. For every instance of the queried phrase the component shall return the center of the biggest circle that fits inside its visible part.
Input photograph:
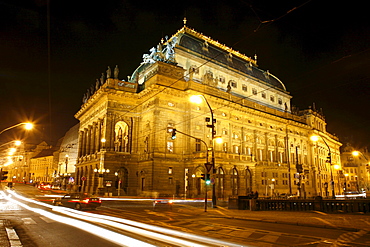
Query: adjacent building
(126, 143)
(356, 169)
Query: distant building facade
(124, 144)
(42, 164)
(356, 169)
(66, 159)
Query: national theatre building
(143, 136)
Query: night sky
(319, 50)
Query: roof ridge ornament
(210, 41)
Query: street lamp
(198, 99)
(315, 138)
(367, 167)
(16, 143)
(27, 126)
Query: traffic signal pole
(173, 132)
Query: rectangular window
(254, 91)
(169, 170)
(244, 88)
(170, 147)
(197, 145)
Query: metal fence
(324, 205)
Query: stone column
(80, 141)
(93, 138)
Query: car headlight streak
(96, 230)
(131, 226)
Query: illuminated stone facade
(263, 136)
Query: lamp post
(101, 172)
(118, 175)
(315, 138)
(27, 126)
(198, 99)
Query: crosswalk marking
(47, 220)
(28, 221)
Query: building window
(264, 95)
(280, 101)
(222, 79)
(254, 91)
(169, 170)
(197, 145)
(272, 98)
(244, 88)
(224, 147)
(233, 84)
(170, 147)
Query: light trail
(136, 227)
(98, 231)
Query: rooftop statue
(169, 51)
(166, 55)
(116, 72)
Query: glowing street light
(16, 143)
(27, 126)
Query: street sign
(208, 166)
(83, 178)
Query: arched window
(234, 182)
(220, 183)
(121, 141)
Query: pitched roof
(216, 52)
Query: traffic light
(173, 137)
(206, 178)
(299, 168)
(328, 159)
(4, 175)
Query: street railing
(323, 205)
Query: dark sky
(319, 49)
